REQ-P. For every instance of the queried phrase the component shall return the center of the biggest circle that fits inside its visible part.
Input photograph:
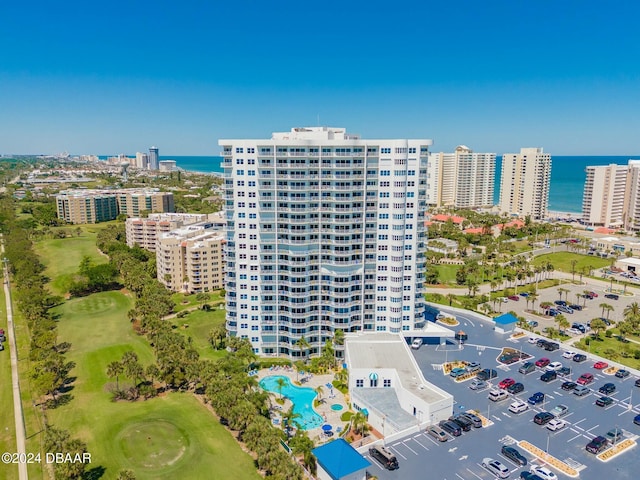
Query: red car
(585, 379)
(600, 365)
(543, 362)
(593, 294)
(515, 298)
(507, 382)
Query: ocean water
(567, 176)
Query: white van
(416, 344)
(498, 395)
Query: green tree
(114, 370)
(598, 325)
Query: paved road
(15, 380)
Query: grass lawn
(62, 258)
(446, 273)
(184, 301)
(562, 261)
(612, 348)
(169, 437)
(197, 326)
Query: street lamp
(446, 352)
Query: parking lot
(420, 455)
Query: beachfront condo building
(325, 232)
(603, 201)
(524, 184)
(462, 179)
(94, 206)
(145, 232)
(611, 196)
(191, 259)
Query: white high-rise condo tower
(325, 232)
(524, 185)
(154, 158)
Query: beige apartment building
(462, 179)
(612, 196)
(145, 232)
(603, 201)
(191, 258)
(94, 206)
(524, 185)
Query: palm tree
(319, 391)
(573, 269)
(632, 311)
(451, 297)
(280, 384)
(560, 319)
(546, 306)
(359, 424)
(562, 290)
(597, 325)
(303, 346)
(534, 298)
(115, 369)
(605, 306)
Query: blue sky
(119, 76)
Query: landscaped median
(485, 421)
(616, 450)
(548, 459)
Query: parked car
(498, 395)
(612, 296)
(543, 472)
(519, 407)
(472, 367)
(527, 367)
(559, 410)
(487, 374)
(575, 306)
(451, 428)
(607, 388)
(532, 323)
(548, 376)
(604, 401)
(564, 309)
(438, 433)
(515, 388)
(542, 418)
(552, 312)
(536, 398)
(532, 340)
(569, 386)
(478, 384)
(585, 379)
(495, 467)
(580, 327)
(515, 298)
(553, 366)
(592, 294)
(573, 331)
(457, 372)
(614, 435)
(529, 476)
(541, 342)
(636, 419)
(463, 422)
(561, 303)
(581, 390)
(514, 455)
(622, 373)
(542, 362)
(579, 357)
(564, 371)
(597, 445)
(416, 344)
(556, 424)
(524, 294)
(637, 382)
(568, 354)
(551, 346)
(507, 382)
(476, 421)
(384, 456)
(600, 365)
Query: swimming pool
(301, 397)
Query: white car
(553, 367)
(559, 410)
(543, 472)
(532, 340)
(518, 407)
(495, 467)
(568, 354)
(556, 424)
(574, 331)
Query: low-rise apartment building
(191, 259)
(94, 206)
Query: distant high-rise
(142, 161)
(524, 186)
(154, 159)
(463, 179)
(325, 232)
(603, 200)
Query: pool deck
(328, 397)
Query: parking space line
(474, 473)
(405, 444)
(395, 449)
(373, 462)
(592, 428)
(420, 444)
